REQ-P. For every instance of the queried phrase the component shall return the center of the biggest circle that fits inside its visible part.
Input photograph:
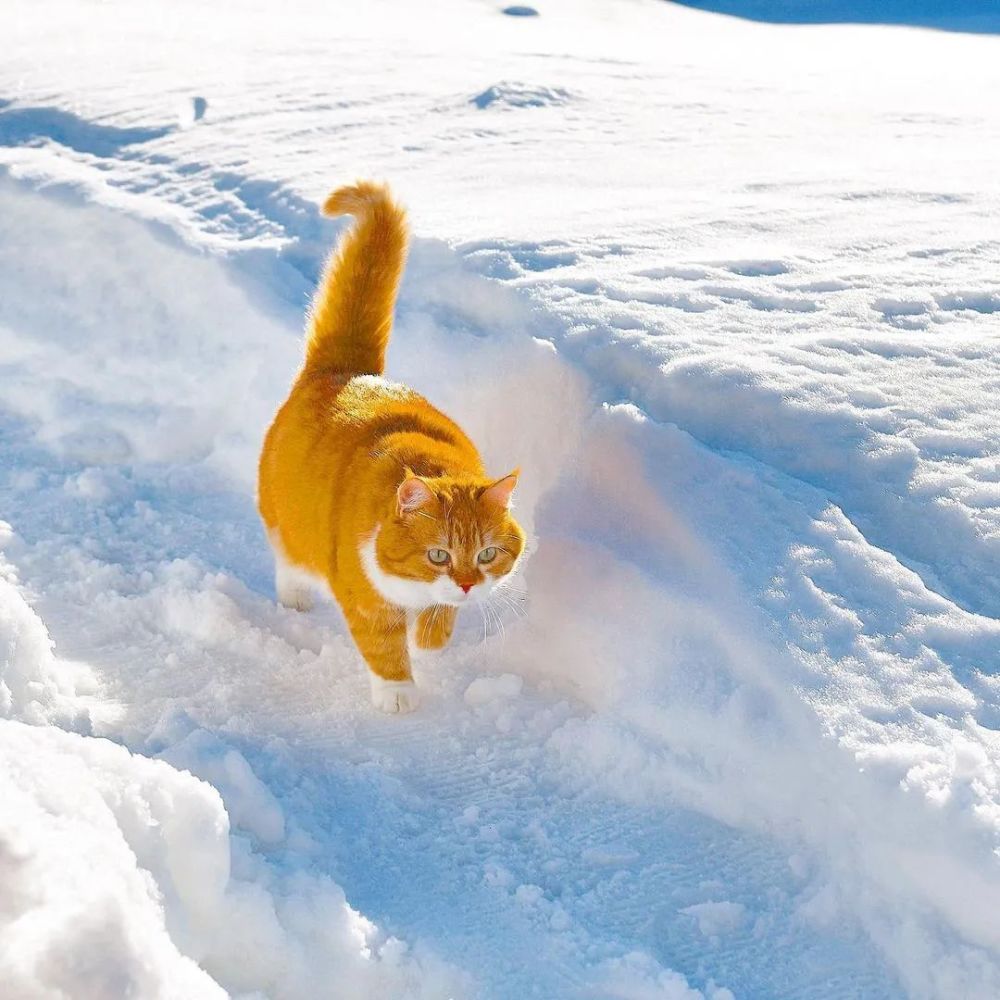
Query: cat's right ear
(499, 492)
(412, 494)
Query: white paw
(295, 596)
(293, 585)
(395, 697)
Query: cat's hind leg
(294, 586)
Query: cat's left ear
(499, 492)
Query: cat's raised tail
(351, 315)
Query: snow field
(738, 734)
(226, 668)
(715, 699)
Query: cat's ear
(499, 492)
(413, 493)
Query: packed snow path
(737, 733)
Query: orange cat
(365, 484)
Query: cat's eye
(488, 555)
(438, 556)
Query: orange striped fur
(366, 485)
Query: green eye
(438, 556)
(488, 555)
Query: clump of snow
(34, 686)
(520, 95)
(716, 919)
(636, 976)
(487, 689)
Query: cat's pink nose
(466, 586)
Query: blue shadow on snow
(22, 125)
(982, 16)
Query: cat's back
(358, 406)
(375, 413)
(367, 399)
(331, 421)
(336, 447)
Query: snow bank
(121, 410)
(118, 875)
(93, 843)
(118, 879)
(701, 705)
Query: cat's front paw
(394, 697)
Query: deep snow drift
(726, 293)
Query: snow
(724, 291)
(489, 690)
(120, 876)
(82, 915)
(715, 919)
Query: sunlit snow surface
(729, 295)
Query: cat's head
(449, 541)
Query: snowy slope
(726, 292)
